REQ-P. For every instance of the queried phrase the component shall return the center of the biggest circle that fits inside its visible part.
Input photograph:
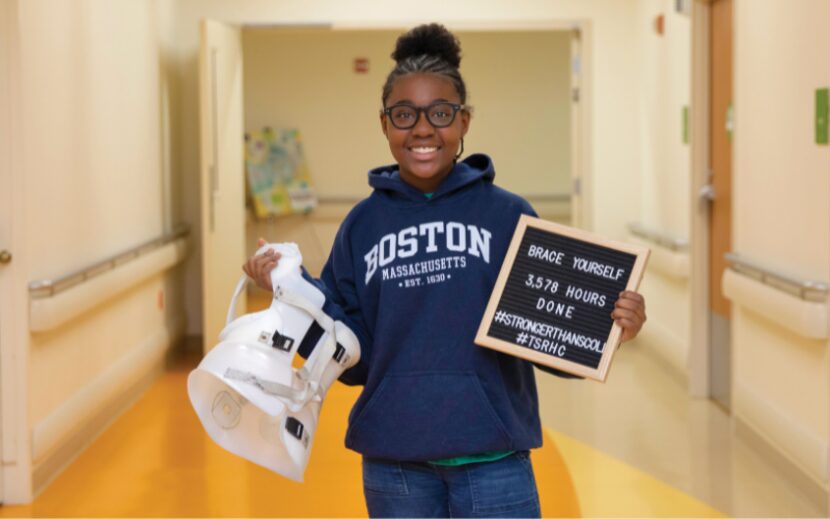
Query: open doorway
(519, 87)
(520, 83)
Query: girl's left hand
(630, 313)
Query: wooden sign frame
(612, 341)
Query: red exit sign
(361, 65)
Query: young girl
(444, 426)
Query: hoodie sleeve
(338, 285)
(528, 210)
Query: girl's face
(425, 154)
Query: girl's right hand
(259, 266)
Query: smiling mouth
(424, 149)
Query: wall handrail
(807, 290)
(50, 287)
(551, 197)
(660, 238)
(538, 198)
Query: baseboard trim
(666, 347)
(815, 491)
(59, 439)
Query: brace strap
(267, 386)
(313, 368)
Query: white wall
(611, 54)
(781, 218)
(92, 156)
(665, 169)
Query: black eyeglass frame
(425, 110)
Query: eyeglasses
(439, 115)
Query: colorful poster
(277, 173)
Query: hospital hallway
(679, 149)
(598, 459)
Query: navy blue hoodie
(412, 277)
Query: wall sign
(361, 65)
(554, 296)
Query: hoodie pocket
(428, 416)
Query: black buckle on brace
(295, 427)
(281, 342)
(338, 353)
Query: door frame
(214, 165)
(15, 451)
(580, 179)
(699, 355)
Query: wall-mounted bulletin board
(554, 296)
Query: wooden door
(720, 161)
(222, 180)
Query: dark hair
(427, 49)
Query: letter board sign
(554, 296)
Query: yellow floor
(156, 461)
(606, 487)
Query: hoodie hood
(470, 170)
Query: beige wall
(304, 79)
(94, 147)
(518, 83)
(610, 64)
(95, 171)
(665, 82)
(781, 218)
(665, 169)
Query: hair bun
(432, 40)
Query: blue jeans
(501, 488)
